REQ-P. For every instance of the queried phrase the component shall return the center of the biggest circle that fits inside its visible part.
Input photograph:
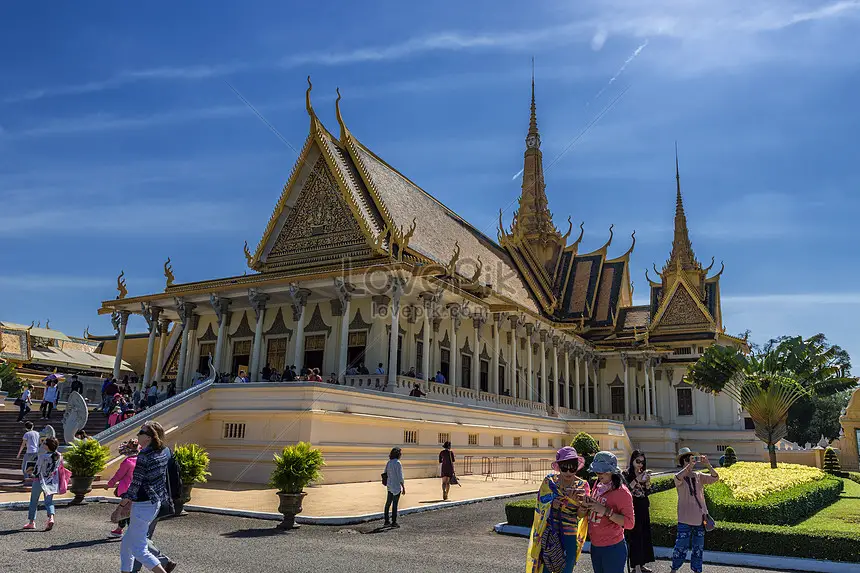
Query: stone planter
(80, 486)
(185, 497)
(290, 506)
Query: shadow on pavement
(73, 545)
(378, 529)
(432, 501)
(254, 533)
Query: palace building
(534, 336)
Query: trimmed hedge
(662, 483)
(854, 476)
(785, 507)
(521, 512)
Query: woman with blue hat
(560, 528)
(610, 513)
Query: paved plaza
(444, 541)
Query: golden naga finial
(659, 274)
(569, 229)
(48, 323)
(451, 267)
(249, 259)
(168, 271)
(402, 239)
(479, 266)
(87, 332)
(709, 266)
(502, 233)
(380, 239)
(343, 129)
(308, 97)
(39, 324)
(647, 278)
(120, 286)
(722, 268)
(32, 324)
(630, 250)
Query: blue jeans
(569, 544)
(687, 535)
(134, 542)
(609, 559)
(35, 494)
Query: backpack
(174, 487)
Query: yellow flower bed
(749, 481)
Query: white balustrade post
(120, 321)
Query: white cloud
(598, 40)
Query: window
(485, 376)
(206, 348)
(497, 441)
(473, 439)
(617, 394)
(355, 347)
(721, 448)
(550, 443)
(683, 351)
(518, 441)
(535, 442)
(276, 354)
(658, 375)
(502, 386)
(466, 371)
(233, 431)
(419, 358)
(445, 363)
(444, 437)
(685, 401)
(410, 436)
(701, 350)
(749, 424)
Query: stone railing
(367, 381)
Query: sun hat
(683, 452)
(604, 462)
(129, 448)
(565, 454)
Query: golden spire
(682, 250)
(533, 128)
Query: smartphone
(696, 459)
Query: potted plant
(295, 468)
(85, 459)
(193, 464)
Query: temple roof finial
(308, 97)
(533, 128)
(682, 250)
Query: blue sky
(121, 143)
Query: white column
(496, 327)
(712, 409)
(120, 321)
(656, 393)
(597, 389)
(221, 306)
(453, 363)
(530, 378)
(397, 285)
(647, 391)
(163, 327)
(477, 321)
(344, 293)
(567, 402)
(300, 300)
(258, 301)
(425, 356)
(150, 313)
(556, 381)
(544, 387)
(186, 312)
(193, 322)
(516, 385)
(578, 356)
(673, 397)
(625, 360)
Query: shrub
(662, 483)
(831, 461)
(296, 467)
(86, 458)
(10, 381)
(586, 446)
(783, 507)
(521, 512)
(749, 481)
(854, 476)
(193, 463)
(731, 457)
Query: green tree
(768, 381)
(586, 446)
(731, 457)
(831, 461)
(814, 416)
(9, 380)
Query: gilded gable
(683, 311)
(321, 220)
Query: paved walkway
(445, 541)
(336, 500)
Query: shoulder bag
(551, 547)
(707, 521)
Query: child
(46, 479)
(122, 478)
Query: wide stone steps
(11, 431)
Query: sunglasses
(567, 468)
(143, 432)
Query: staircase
(11, 432)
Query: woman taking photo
(610, 513)
(146, 494)
(559, 515)
(692, 511)
(446, 458)
(639, 546)
(46, 481)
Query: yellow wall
(133, 352)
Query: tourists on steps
(692, 511)
(146, 494)
(122, 478)
(46, 480)
(393, 480)
(610, 514)
(639, 546)
(30, 441)
(446, 458)
(49, 400)
(559, 528)
(24, 402)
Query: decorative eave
(625, 258)
(680, 282)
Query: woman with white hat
(611, 512)
(692, 511)
(560, 528)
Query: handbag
(384, 478)
(120, 513)
(64, 476)
(551, 548)
(454, 481)
(707, 521)
(18, 401)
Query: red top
(603, 531)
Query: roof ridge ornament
(344, 132)
(308, 105)
(248, 258)
(168, 272)
(120, 286)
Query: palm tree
(767, 381)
